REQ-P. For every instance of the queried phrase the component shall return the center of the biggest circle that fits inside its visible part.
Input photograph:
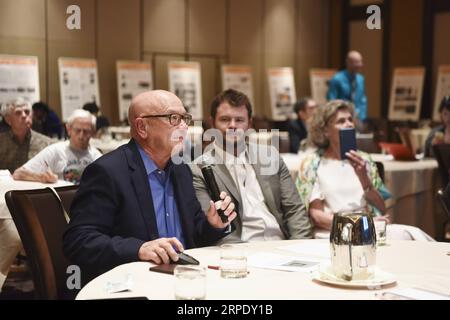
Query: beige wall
(441, 50)
(370, 44)
(260, 33)
(26, 37)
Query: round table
(423, 265)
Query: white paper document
(5, 175)
(267, 260)
(413, 294)
(321, 250)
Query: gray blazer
(280, 194)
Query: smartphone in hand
(347, 140)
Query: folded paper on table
(266, 260)
(413, 294)
(321, 250)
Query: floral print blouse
(307, 176)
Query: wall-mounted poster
(78, 82)
(319, 79)
(442, 89)
(282, 92)
(133, 77)
(185, 82)
(406, 93)
(19, 77)
(239, 78)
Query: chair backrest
(405, 137)
(380, 168)
(40, 220)
(444, 201)
(442, 153)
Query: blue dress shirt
(349, 87)
(164, 202)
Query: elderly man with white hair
(64, 160)
(20, 143)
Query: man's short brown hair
(234, 98)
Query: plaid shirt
(13, 154)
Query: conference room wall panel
(63, 42)
(311, 49)
(245, 42)
(161, 73)
(259, 33)
(164, 26)
(441, 47)
(279, 40)
(406, 34)
(210, 70)
(26, 37)
(370, 44)
(118, 38)
(206, 27)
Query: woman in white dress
(328, 184)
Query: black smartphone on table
(164, 268)
(347, 140)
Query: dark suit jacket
(112, 214)
(297, 132)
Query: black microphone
(214, 191)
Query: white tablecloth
(424, 265)
(7, 184)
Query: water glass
(190, 282)
(233, 261)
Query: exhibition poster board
(442, 89)
(282, 92)
(19, 77)
(238, 77)
(133, 77)
(185, 82)
(406, 93)
(78, 79)
(319, 80)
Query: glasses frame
(187, 117)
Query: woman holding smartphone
(329, 184)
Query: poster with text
(406, 93)
(319, 79)
(238, 77)
(185, 82)
(19, 77)
(78, 82)
(133, 77)
(442, 89)
(282, 92)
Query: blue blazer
(112, 213)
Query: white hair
(8, 107)
(80, 113)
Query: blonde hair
(322, 117)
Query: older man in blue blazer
(135, 203)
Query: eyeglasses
(79, 130)
(174, 118)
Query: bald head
(354, 61)
(151, 103)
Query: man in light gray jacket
(255, 176)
